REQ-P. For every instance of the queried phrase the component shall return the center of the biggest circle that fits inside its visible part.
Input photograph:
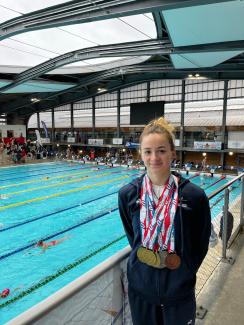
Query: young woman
(167, 222)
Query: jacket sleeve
(201, 232)
(125, 216)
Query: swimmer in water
(6, 292)
(4, 196)
(45, 245)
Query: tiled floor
(223, 296)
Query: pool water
(62, 200)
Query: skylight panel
(36, 47)
(25, 6)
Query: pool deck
(223, 295)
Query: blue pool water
(55, 200)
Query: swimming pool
(55, 200)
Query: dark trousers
(143, 313)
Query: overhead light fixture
(100, 89)
(231, 153)
(204, 154)
(35, 100)
(195, 76)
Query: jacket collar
(182, 181)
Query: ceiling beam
(74, 12)
(223, 71)
(140, 48)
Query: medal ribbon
(157, 219)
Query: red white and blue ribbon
(157, 216)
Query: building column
(93, 116)
(53, 127)
(118, 113)
(38, 121)
(224, 133)
(148, 92)
(72, 118)
(182, 122)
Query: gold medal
(152, 258)
(172, 261)
(147, 256)
(160, 259)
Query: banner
(117, 140)
(236, 144)
(132, 145)
(177, 142)
(71, 139)
(44, 128)
(207, 145)
(95, 141)
(38, 138)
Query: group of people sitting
(19, 152)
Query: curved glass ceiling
(29, 49)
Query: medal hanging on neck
(157, 225)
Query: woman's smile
(157, 156)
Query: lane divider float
(60, 193)
(59, 272)
(61, 232)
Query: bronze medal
(172, 261)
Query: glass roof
(32, 48)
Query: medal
(152, 258)
(159, 259)
(172, 261)
(148, 256)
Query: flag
(38, 138)
(45, 128)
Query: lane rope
(59, 171)
(55, 212)
(59, 272)
(59, 210)
(61, 193)
(214, 183)
(61, 232)
(50, 178)
(58, 184)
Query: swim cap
(5, 293)
(39, 243)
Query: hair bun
(161, 121)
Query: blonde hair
(160, 126)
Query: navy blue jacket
(192, 231)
